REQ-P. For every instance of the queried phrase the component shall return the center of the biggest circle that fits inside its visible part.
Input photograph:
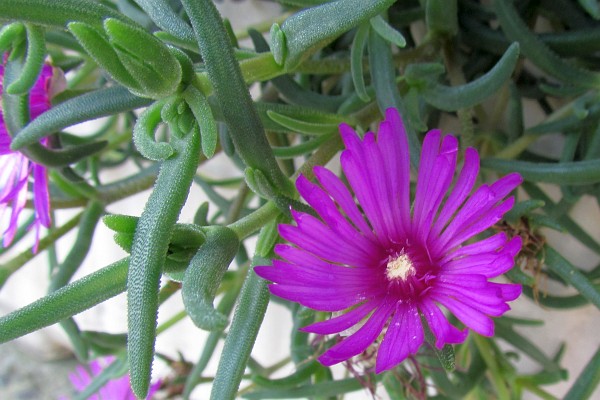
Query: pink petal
(325, 207)
(393, 145)
(404, 336)
(472, 318)
(487, 245)
(41, 197)
(314, 237)
(459, 193)
(344, 321)
(437, 178)
(443, 331)
(361, 339)
(363, 183)
(322, 299)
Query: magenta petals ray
(383, 265)
(114, 389)
(17, 171)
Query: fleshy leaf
(96, 104)
(454, 98)
(203, 278)
(304, 33)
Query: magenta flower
(115, 389)
(385, 269)
(16, 170)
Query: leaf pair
(148, 70)
(185, 112)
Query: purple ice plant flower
(386, 267)
(16, 170)
(115, 389)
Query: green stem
(171, 321)
(230, 90)
(490, 360)
(248, 225)
(20, 260)
(247, 319)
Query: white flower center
(399, 268)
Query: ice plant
(115, 389)
(16, 170)
(386, 269)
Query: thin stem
(248, 225)
(517, 147)
(171, 322)
(21, 259)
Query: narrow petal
(484, 220)
(489, 265)
(487, 301)
(508, 291)
(310, 225)
(41, 198)
(323, 299)
(334, 275)
(351, 140)
(393, 145)
(487, 245)
(485, 198)
(363, 182)
(342, 196)
(383, 191)
(344, 321)
(429, 152)
(318, 199)
(472, 318)
(404, 336)
(359, 341)
(310, 262)
(443, 330)
(313, 236)
(434, 189)
(461, 190)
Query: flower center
(399, 268)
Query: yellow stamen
(399, 268)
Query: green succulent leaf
(65, 302)
(312, 125)
(454, 98)
(570, 274)
(246, 321)
(97, 45)
(235, 103)
(203, 278)
(302, 34)
(34, 60)
(536, 51)
(205, 119)
(441, 16)
(587, 382)
(387, 32)
(59, 14)
(96, 104)
(167, 19)
(143, 134)
(571, 173)
(357, 52)
(149, 250)
(154, 67)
